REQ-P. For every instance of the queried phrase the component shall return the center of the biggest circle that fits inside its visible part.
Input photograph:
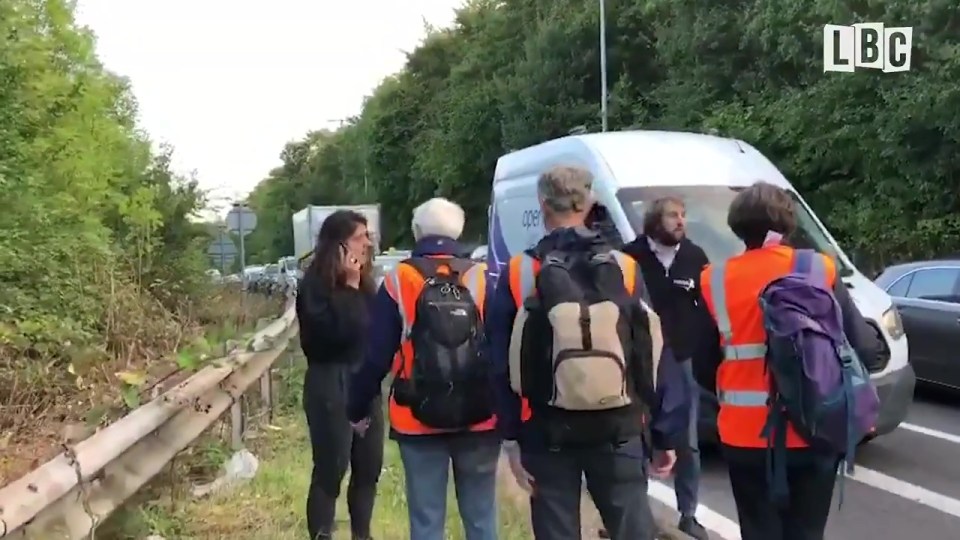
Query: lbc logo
(867, 45)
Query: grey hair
(438, 217)
(565, 189)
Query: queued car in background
(387, 260)
(927, 297)
(479, 254)
(214, 276)
(251, 277)
(272, 281)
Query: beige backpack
(587, 354)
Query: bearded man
(671, 266)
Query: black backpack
(448, 387)
(586, 359)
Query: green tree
(874, 153)
(94, 227)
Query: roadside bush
(102, 254)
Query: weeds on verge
(271, 506)
(52, 394)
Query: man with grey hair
(426, 329)
(552, 448)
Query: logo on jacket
(685, 284)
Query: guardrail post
(236, 423)
(266, 394)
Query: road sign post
(241, 220)
(222, 251)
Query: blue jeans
(686, 480)
(426, 467)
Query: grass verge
(272, 504)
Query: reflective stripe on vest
(522, 272)
(473, 279)
(526, 276)
(749, 351)
(732, 291)
(404, 285)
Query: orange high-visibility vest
(523, 270)
(404, 284)
(732, 291)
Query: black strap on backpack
(446, 388)
(429, 267)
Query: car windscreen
(706, 224)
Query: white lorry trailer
(307, 223)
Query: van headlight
(890, 320)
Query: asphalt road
(906, 485)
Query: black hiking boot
(692, 527)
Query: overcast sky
(228, 82)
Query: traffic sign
(241, 220)
(222, 245)
(223, 262)
(222, 251)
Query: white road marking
(931, 432)
(713, 521)
(895, 486)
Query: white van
(633, 168)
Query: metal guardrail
(70, 495)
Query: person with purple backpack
(789, 346)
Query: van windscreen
(707, 208)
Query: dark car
(927, 295)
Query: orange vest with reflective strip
(404, 284)
(732, 291)
(522, 272)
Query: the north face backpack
(819, 384)
(448, 387)
(581, 336)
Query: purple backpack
(819, 384)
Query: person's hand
(361, 427)
(351, 265)
(524, 479)
(662, 463)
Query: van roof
(650, 158)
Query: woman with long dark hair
(332, 307)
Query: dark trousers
(335, 448)
(686, 479)
(802, 517)
(616, 478)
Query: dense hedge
(97, 254)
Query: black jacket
(333, 324)
(675, 294)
